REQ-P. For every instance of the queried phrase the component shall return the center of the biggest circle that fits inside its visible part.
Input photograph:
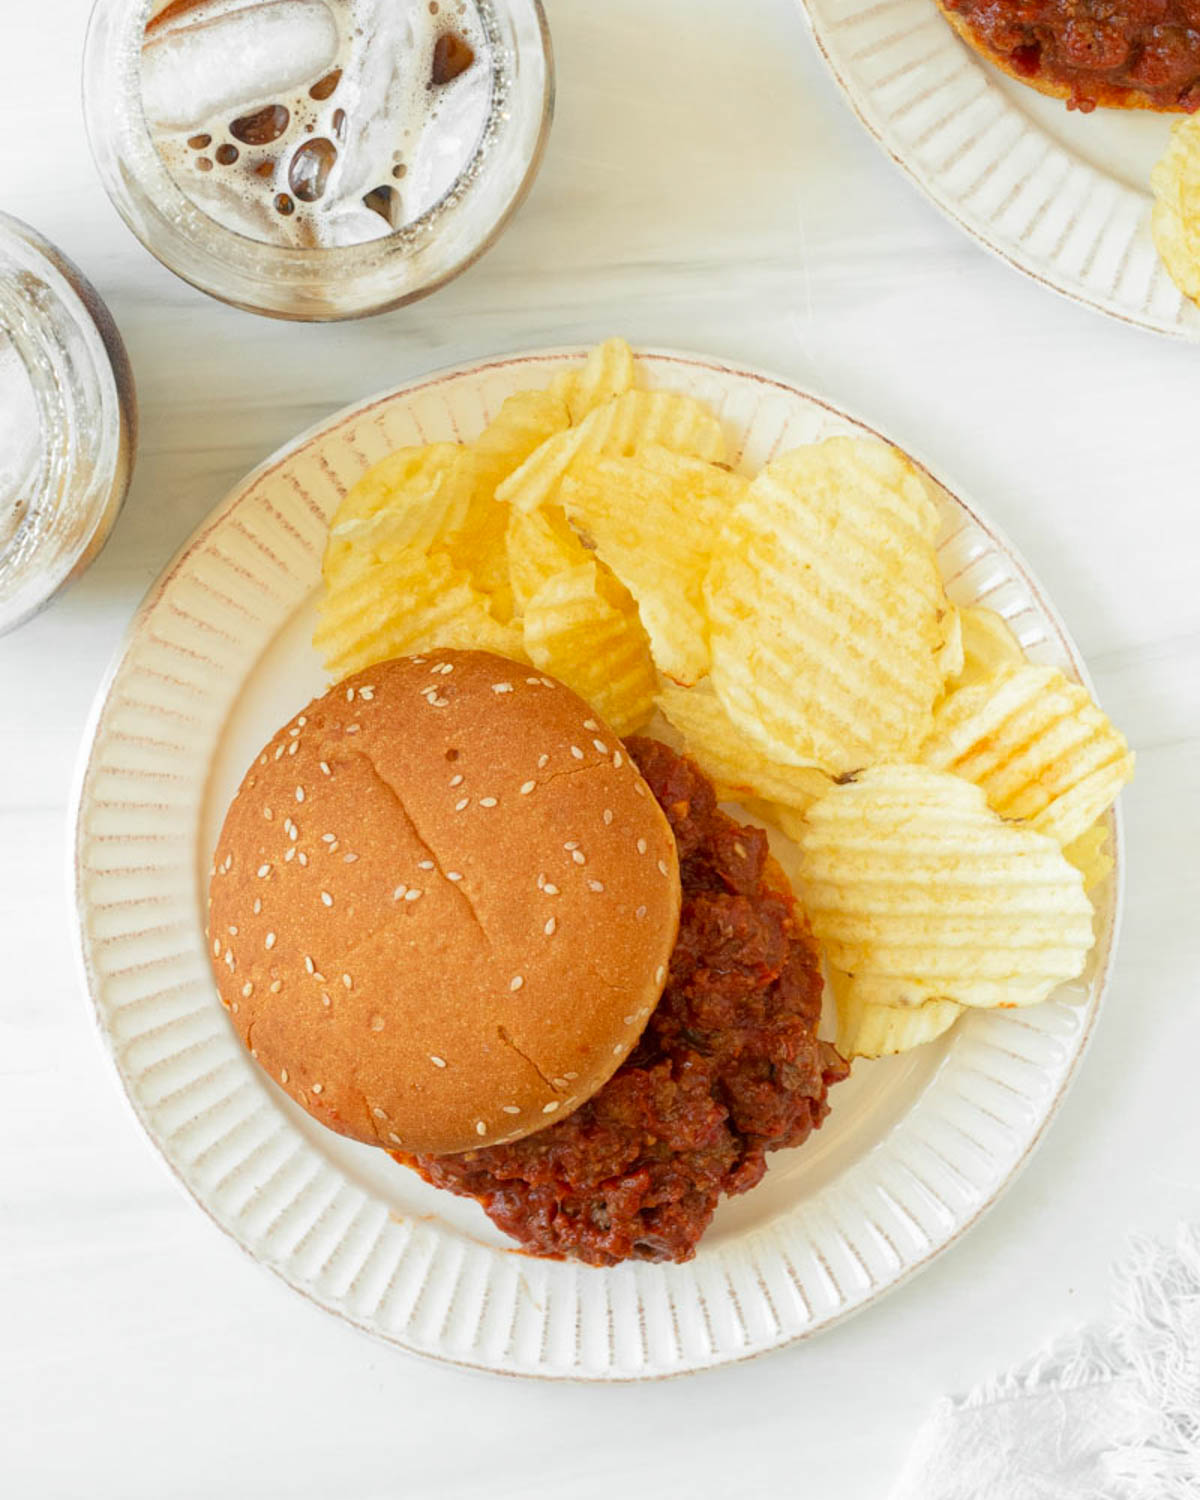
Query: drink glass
(321, 283)
(67, 422)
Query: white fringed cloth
(1112, 1413)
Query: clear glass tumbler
(67, 422)
(319, 284)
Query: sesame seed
(348, 859)
(559, 1083)
(639, 789)
(283, 1076)
(347, 981)
(394, 1138)
(325, 768)
(579, 857)
(290, 855)
(228, 863)
(461, 803)
(641, 846)
(601, 746)
(293, 732)
(380, 1114)
(516, 982)
(399, 893)
(608, 816)
(662, 868)
(333, 848)
(263, 871)
(366, 694)
(413, 895)
(502, 687)
(480, 1128)
(329, 838)
(216, 947)
(640, 914)
(618, 1049)
(576, 752)
(303, 857)
(293, 833)
(269, 941)
(229, 961)
(299, 794)
(268, 814)
(548, 1109)
(353, 728)
(302, 720)
(543, 762)
(456, 780)
(548, 682)
(440, 702)
(257, 906)
(377, 1023)
(318, 1088)
(438, 1062)
(510, 1109)
(288, 825)
(550, 890)
(618, 762)
(527, 787)
(425, 864)
(453, 875)
(541, 881)
(549, 927)
(419, 661)
(293, 747)
(234, 1007)
(309, 965)
(276, 986)
(595, 885)
(279, 751)
(571, 844)
(487, 801)
(739, 849)
(319, 977)
(659, 974)
(247, 990)
(325, 1000)
(326, 898)
(590, 724)
(628, 1020)
(349, 695)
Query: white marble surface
(705, 187)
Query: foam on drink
(318, 123)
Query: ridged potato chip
(919, 891)
(403, 604)
(582, 627)
(865, 1030)
(1037, 745)
(1089, 854)
(634, 420)
(789, 820)
(539, 544)
(951, 657)
(652, 520)
(988, 644)
(408, 500)
(728, 758)
(1176, 219)
(828, 619)
(608, 372)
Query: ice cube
(234, 60)
(449, 140)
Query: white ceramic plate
(1062, 196)
(218, 656)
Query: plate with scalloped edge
(1063, 196)
(218, 655)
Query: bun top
(443, 904)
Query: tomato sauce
(1108, 52)
(729, 1066)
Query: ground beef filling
(1102, 51)
(729, 1066)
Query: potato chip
(1176, 218)
(583, 627)
(988, 644)
(632, 421)
(827, 611)
(402, 604)
(950, 656)
(866, 1030)
(789, 820)
(1037, 745)
(407, 500)
(728, 758)
(607, 372)
(918, 890)
(652, 519)
(1089, 854)
(539, 544)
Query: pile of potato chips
(946, 795)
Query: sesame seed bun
(443, 903)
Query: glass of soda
(317, 159)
